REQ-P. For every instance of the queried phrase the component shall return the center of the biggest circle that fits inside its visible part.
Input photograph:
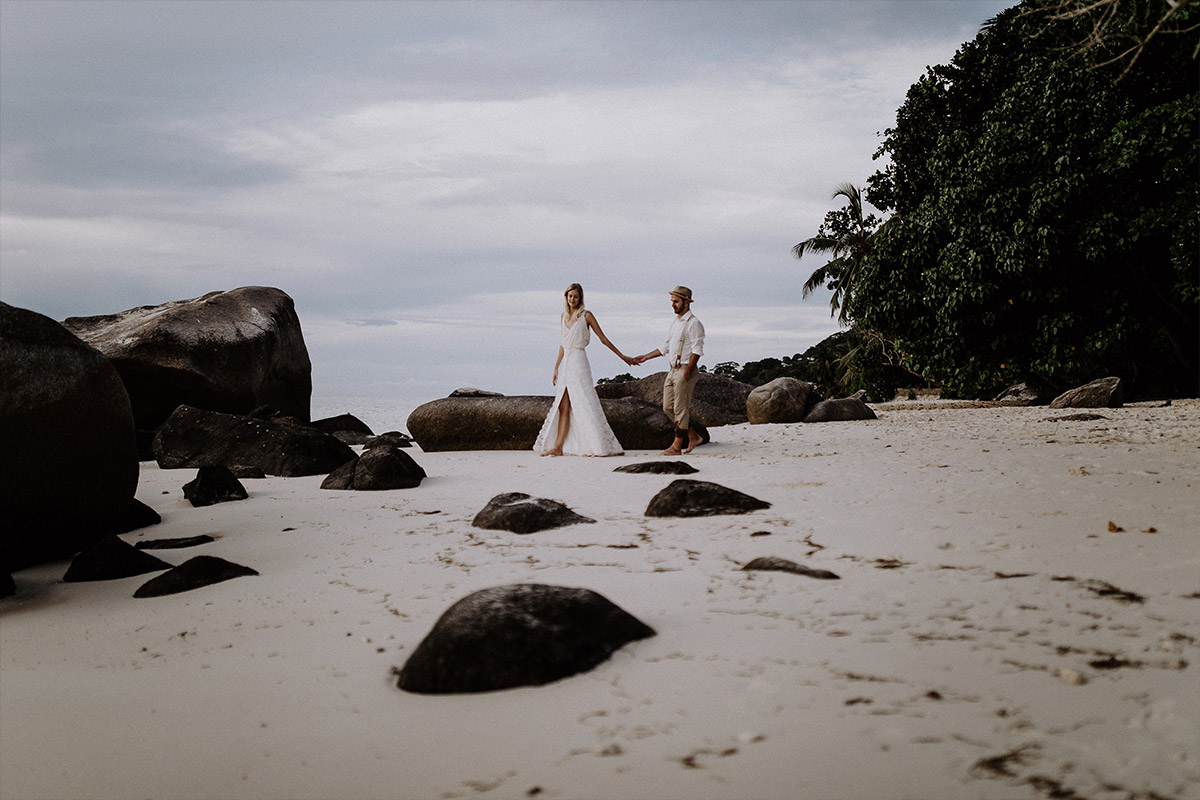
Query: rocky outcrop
(192, 437)
(227, 351)
(717, 400)
(519, 513)
(1102, 393)
(780, 401)
(844, 409)
(378, 469)
(691, 498)
(68, 457)
(513, 423)
(518, 635)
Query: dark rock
(783, 565)
(192, 574)
(717, 400)
(351, 437)
(136, 516)
(346, 427)
(174, 544)
(390, 438)
(478, 423)
(843, 409)
(342, 477)
(214, 485)
(378, 469)
(111, 558)
(518, 635)
(68, 454)
(513, 423)
(226, 351)
(343, 422)
(691, 498)
(659, 468)
(192, 437)
(275, 415)
(8, 587)
(520, 513)
(1103, 393)
(1028, 393)
(1075, 418)
(246, 471)
(639, 425)
(469, 392)
(782, 400)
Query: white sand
(901, 680)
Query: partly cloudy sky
(425, 178)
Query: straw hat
(682, 291)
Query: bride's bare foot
(555, 452)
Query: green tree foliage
(840, 365)
(622, 378)
(1044, 214)
(845, 234)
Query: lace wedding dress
(589, 434)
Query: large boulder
(782, 400)
(229, 351)
(1102, 393)
(716, 401)
(193, 437)
(378, 469)
(843, 409)
(1030, 393)
(513, 423)
(68, 457)
(518, 635)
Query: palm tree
(846, 235)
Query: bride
(576, 422)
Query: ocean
(381, 414)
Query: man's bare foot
(672, 451)
(693, 440)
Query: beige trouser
(677, 399)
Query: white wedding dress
(589, 434)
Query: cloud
(425, 178)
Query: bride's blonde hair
(567, 306)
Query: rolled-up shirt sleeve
(693, 339)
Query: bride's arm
(595, 326)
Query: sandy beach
(1017, 616)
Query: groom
(683, 348)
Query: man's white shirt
(684, 339)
